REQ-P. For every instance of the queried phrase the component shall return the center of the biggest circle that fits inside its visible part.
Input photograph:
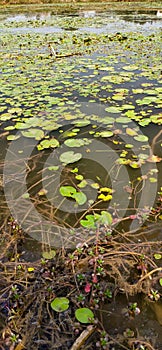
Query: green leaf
(105, 218)
(79, 177)
(82, 184)
(53, 143)
(160, 281)
(80, 198)
(53, 167)
(106, 133)
(95, 185)
(157, 256)
(67, 191)
(60, 304)
(74, 142)
(84, 315)
(37, 134)
(70, 157)
(49, 255)
(113, 109)
(141, 138)
(81, 123)
(89, 222)
(131, 132)
(152, 179)
(123, 120)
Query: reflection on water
(112, 21)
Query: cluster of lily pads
(107, 90)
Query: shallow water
(81, 86)
(108, 22)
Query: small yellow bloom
(102, 196)
(106, 189)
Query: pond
(80, 119)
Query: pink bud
(87, 288)
(94, 279)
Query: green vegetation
(82, 176)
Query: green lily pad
(123, 120)
(82, 184)
(113, 109)
(80, 198)
(49, 255)
(70, 157)
(88, 222)
(81, 123)
(141, 138)
(106, 133)
(67, 191)
(37, 134)
(84, 315)
(74, 142)
(157, 256)
(60, 304)
(53, 143)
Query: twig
(83, 337)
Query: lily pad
(88, 222)
(49, 255)
(70, 157)
(53, 143)
(141, 138)
(80, 198)
(106, 133)
(37, 134)
(67, 191)
(74, 142)
(84, 315)
(113, 109)
(60, 304)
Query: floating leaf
(95, 185)
(26, 195)
(53, 143)
(113, 109)
(84, 315)
(67, 191)
(131, 132)
(53, 167)
(79, 177)
(80, 198)
(106, 133)
(70, 157)
(81, 123)
(89, 222)
(157, 256)
(82, 184)
(105, 218)
(37, 134)
(74, 142)
(152, 179)
(12, 137)
(108, 120)
(60, 304)
(49, 255)
(123, 120)
(141, 138)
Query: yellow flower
(104, 197)
(106, 189)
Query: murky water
(111, 22)
(146, 23)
